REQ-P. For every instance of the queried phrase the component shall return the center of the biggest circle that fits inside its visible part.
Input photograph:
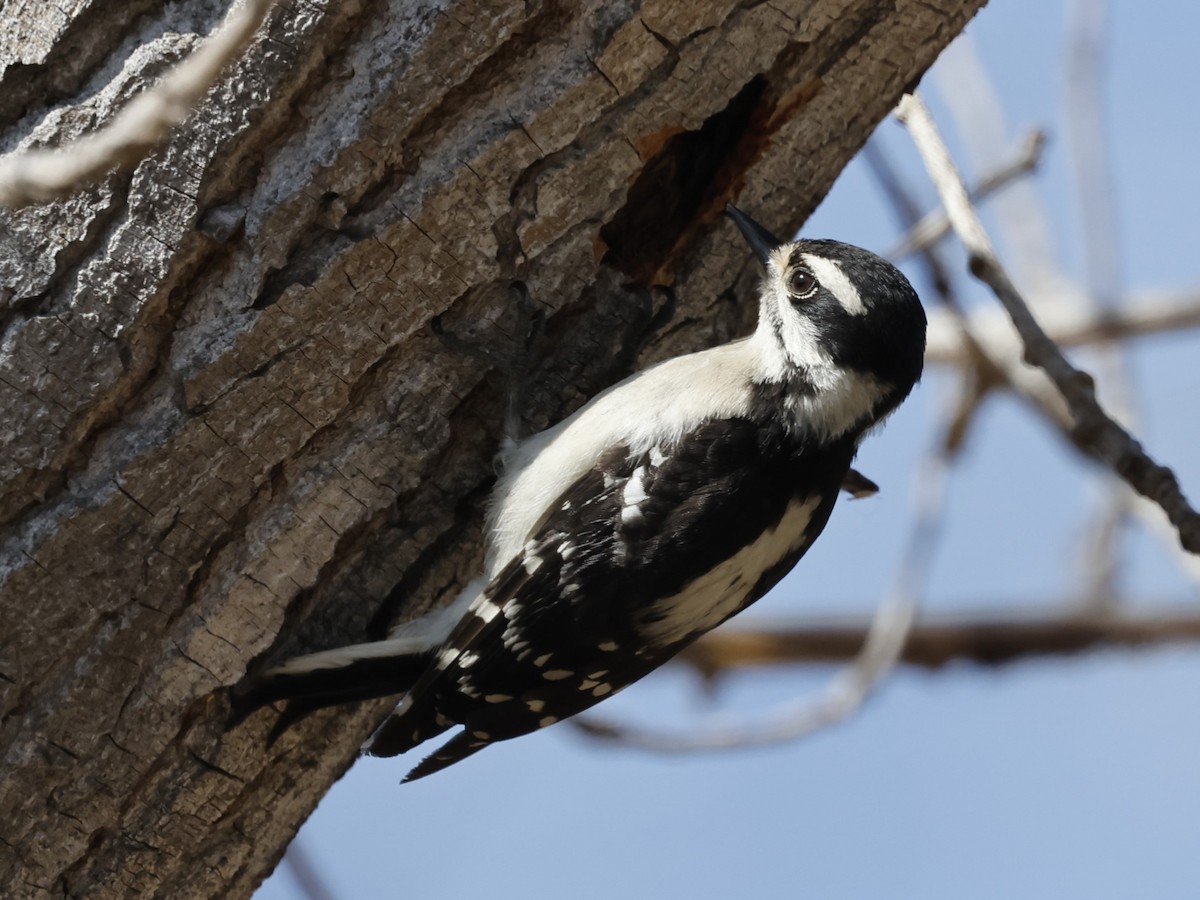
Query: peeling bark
(230, 430)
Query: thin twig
(35, 176)
(1092, 430)
(973, 102)
(934, 226)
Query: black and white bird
(667, 504)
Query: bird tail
(454, 750)
(345, 675)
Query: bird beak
(761, 241)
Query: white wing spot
(547, 720)
(566, 550)
(587, 684)
(609, 646)
(557, 674)
(487, 610)
(599, 673)
(446, 656)
(602, 689)
(482, 735)
(497, 698)
(468, 659)
(542, 660)
(633, 496)
(535, 705)
(657, 457)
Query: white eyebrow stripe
(830, 275)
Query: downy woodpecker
(667, 504)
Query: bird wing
(638, 528)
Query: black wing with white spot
(645, 551)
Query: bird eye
(802, 284)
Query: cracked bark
(230, 432)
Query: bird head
(831, 312)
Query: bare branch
(933, 226)
(988, 641)
(960, 340)
(1092, 430)
(1155, 521)
(1140, 315)
(974, 104)
(990, 333)
(35, 176)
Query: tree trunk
(232, 430)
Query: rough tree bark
(230, 430)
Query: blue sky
(1060, 778)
